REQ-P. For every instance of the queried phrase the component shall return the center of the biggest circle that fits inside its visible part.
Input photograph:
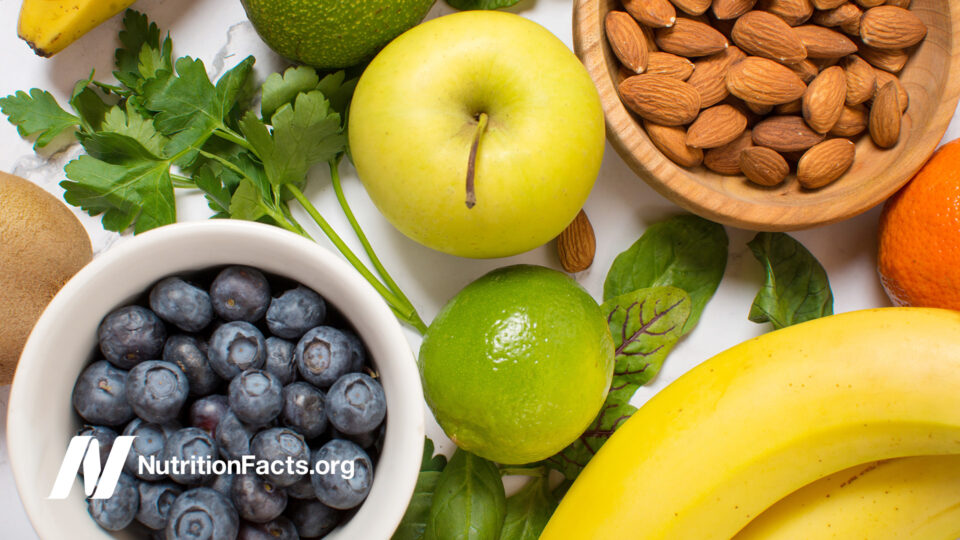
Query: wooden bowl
(930, 77)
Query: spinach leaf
(469, 502)
(529, 510)
(464, 5)
(414, 522)
(687, 252)
(645, 324)
(797, 288)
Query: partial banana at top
(48, 26)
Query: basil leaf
(797, 288)
(529, 510)
(687, 252)
(414, 521)
(432, 462)
(469, 502)
(464, 5)
(646, 324)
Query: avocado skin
(332, 34)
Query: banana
(900, 499)
(50, 25)
(757, 422)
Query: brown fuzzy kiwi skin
(42, 245)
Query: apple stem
(472, 162)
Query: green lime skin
(517, 365)
(332, 34)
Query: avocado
(332, 34)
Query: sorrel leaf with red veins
(646, 324)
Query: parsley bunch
(165, 125)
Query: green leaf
(414, 522)
(282, 89)
(469, 502)
(796, 289)
(338, 91)
(118, 149)
(529, 510)
(128, 122)
(186, 100)
(432, 462)
(687, 252)
(247, 202)
(140, 55)
(231, 84)
(464, 5)
(88, 105)
(217, 194)
(37, 113)
(645, 324)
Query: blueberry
(323, 356)
(118, 511)
(312, 518)
(277, 529)
(157, 390)
(342, 474)
(358, 352)
(302, 489)
(131, 335)
(104, 437)
(234, 347)
(356, 404)
(149, 442)
(303, 409)
(155, 502)
(190, 355)
(256, 397)
(202, 514)
(223, 483)
(181, 304)
(205, 413)
(256, 499)
(100, 395)
(294, 312)
(364, 440)
(193, 446)
(240, 293)
(280, 360)
(233, 436)
(280, 445)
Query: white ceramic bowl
(41, 419)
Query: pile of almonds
(751, 86)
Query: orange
(919, 259)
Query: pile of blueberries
(224, 372)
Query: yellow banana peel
(48, 26)
(755, 423)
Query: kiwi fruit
(42, 245)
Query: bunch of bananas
(803, 433)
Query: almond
(577, 244)
(885, 117)
(672, 141)
(764, 34)
(661, 99)
(709, 75)
(763, 165)
(794, 107)
(827, 4)
(883, 78)
(891, 27)
(837, 16)
(731, 9)
(690, 38)
(670, 65)
(824, 99)
(852, 26)
(693, 7)
(763, 81)
(653, 13)
(627, 41)
(825, 162)
(861, 80)
(758, 109)
(785, 134)
(726, 159)
(899, 3)
(891, 60)
(806, 70)
(867, 4)
(794, 12)
(824, 43)
(852, 122)
(716, 126)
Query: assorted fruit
(221, 369)
(758, 89)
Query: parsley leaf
(37, 113)
(128, 122)
(141, 55)
(281, 89)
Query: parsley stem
(182, 181)
(226, 163)
(228, 134)
(338, 189)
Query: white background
(620, 207)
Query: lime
(517, 365)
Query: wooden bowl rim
(714, 204)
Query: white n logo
(85, 451)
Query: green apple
(477, 134)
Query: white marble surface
(621, 205)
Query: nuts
(627, 41)
(731, 9)
(763, 166)
(891, 60)
(785, 134)
(861, 80)
(690, 38)
(661, 99)
(716, 126)
(693, 7)
(672, 141)
(726, 159)
(764, 34)
(670, 65)
(824, 43)
(652, 13)
(577, 244)
(709, 76)
(825, 162)
(795, 12)
(883, 78)
(891, 27)
(824, 99)
(885, 117)
(838, 15)
(852, 122)
(763, 81)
